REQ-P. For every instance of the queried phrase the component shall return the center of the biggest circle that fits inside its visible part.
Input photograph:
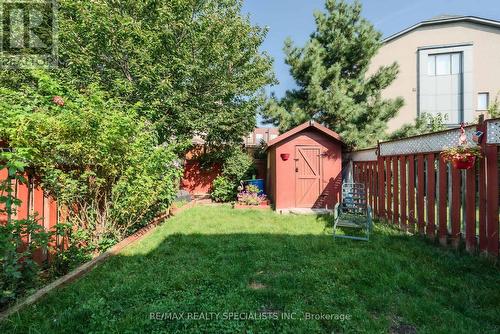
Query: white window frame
(453, 57)
(482, 94)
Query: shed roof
(302, 127)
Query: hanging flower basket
(461, 164)
(462, 157)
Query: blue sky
(294, 18)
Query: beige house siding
(484, 42)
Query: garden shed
(304, 168)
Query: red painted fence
(410, 185)
(34, 203)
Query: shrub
(238, 165)
(96, 156)
(223, 189)
(79, 249)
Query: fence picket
(420, 194)
(470, 210)
(370, 183)
(431, 196)
(443, 202)
(38, 211)
(411, 193)
(395, 172)
(402, 166)
(381, 189)
(455, 206)
(388, 180)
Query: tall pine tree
(333, 87)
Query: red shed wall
(284, 195)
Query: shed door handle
(296, 169)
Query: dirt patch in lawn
(256, 286)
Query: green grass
(216, 259)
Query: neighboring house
(448, 65)
(261, 135)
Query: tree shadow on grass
(214, 283)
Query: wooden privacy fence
(34, 203)
(410, 185)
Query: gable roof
(444, 19)
(302, 127)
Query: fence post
(483, 236)
(388, 181)
(370, 183)
(375, 188)
(492, 198)
(381, 186)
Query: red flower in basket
(58, 100)
(462, 157)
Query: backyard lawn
(216, 264)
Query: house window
(483, 101)
(443, 64)
(250, 139)
(431, 65)
(272, 136)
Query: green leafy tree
(192, 67)
(333, 84)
